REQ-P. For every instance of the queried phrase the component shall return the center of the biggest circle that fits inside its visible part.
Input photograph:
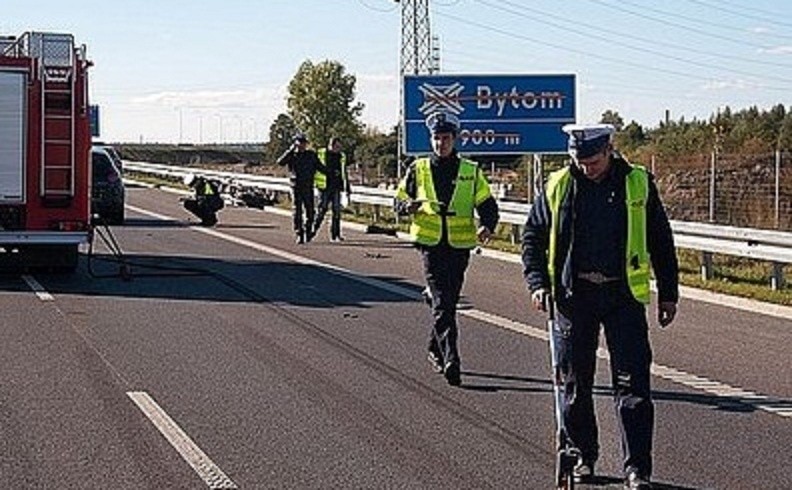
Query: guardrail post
(538, 176)
(706, 266)
(515, 234)
(777, 278)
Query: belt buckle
(598, 277)
(595, 277)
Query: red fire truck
(45, 144)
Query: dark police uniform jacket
(593, 235)
(302, 166)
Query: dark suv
(107, 188)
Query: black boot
(452, 374)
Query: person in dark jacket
(441, 193)
(206, 201)
(303, 165)
(331, 183)
(589, 242)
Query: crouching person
(206, 201)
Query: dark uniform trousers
(444, 270)
(303, 199)
(330, 199)
(626, 332)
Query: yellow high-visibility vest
(320, 179)
(637, 252)
(471, 190)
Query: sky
(187, 71)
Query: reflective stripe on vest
(637, 253)
(320, 179)
(469, 191)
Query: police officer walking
(331, 183)
(588, 244)
(303, 165)
(441, 193)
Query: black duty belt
(596, 277)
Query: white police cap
(586, 140)
(442, 122)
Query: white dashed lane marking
(37, 288)
(209, 472)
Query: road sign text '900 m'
(499, 114)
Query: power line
(587, 53)
(771, 16)
(653, 52)
(609, 38)
(678, 26)
(697, 21)
(376, 9)
(464, 58)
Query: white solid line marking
(209, 472)
(665, 372)
(37, 288)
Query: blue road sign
(499, 114)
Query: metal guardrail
(766, 245)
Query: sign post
(499, 114)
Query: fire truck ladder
(58, 110)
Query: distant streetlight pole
(240, 137)
(181, 124)
(220, 127)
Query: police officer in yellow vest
(441, 193)
(331, 183)
(588, 245)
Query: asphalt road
(233, 358)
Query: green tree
(612, 117)
(376, 155)
(281, 132)
(322, 103)
(630, 139)
(785, 134)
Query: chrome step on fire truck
(45, 145)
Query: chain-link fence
(747, 191)
(751, 191)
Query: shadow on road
(190, 278)
(471, 381)
(503, 382)
(606, 481)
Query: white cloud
(716, 85)
(782, 50)
(211, 99)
